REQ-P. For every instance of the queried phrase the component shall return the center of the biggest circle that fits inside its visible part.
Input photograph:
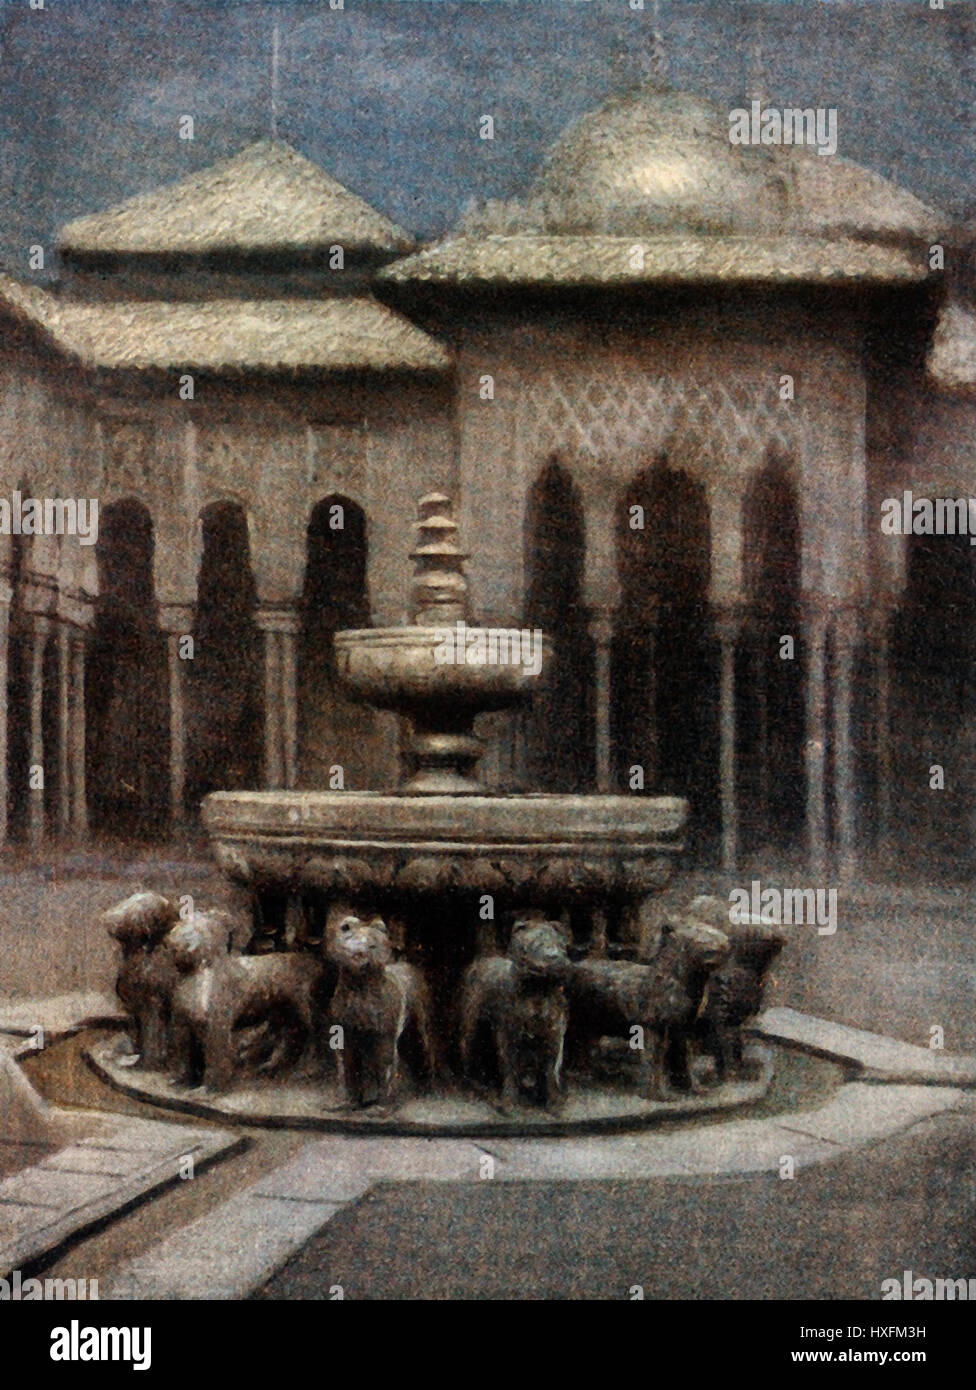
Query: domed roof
(656, 162)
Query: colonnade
(820, 620)
(69, 634)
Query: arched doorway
(126, 689)
(560, 744)
(224, 680)
(770, 678)
(664, 670)
(332, 731)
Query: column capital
(176, 618)
(40, 594)
(728, 616)
(601, 621)
(274, 617)
(75, 609)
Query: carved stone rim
(558, 824)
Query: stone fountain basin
(398, 668)
(523, 847)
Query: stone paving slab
(261, 1231)
(42, 1187)
(880, 1058)
(59, 1014)
(747, 1146)
(126, 1134)
(66, 1193)
(862, 1112)
(20, 1221)
(426, 1160)
(341, 1170)
(81, 1158)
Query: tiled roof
(227, 334)
(614, 260)
(267, 198)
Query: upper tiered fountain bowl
(439, 671)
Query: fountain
(489, 940)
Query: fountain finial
(439, 590)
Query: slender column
(41, 631)
(6, 593)
(816, 734)
(273, 753)
(79, 797)
(517, 776)
(177, 729)
(64, 728)
(280, 626)
(728, 622)
(882, 720)
(845, 630)
(289, 691)
(651, 756)
(761, 678)
(601, 632)
(176, 620)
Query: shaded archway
(331, 729)
(770, 678)
(126, 688)
(664, 675)
(560, 744)
(934, 720)
(224, 679)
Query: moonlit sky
(386, 95)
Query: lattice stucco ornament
(337, 458)
(623, 413)
(222, 461)
(127, 453)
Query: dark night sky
(386, 94)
